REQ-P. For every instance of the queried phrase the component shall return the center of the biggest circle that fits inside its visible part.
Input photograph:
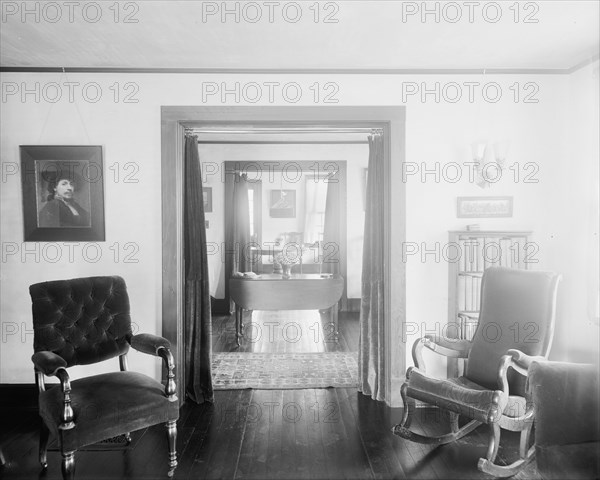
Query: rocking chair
(515, 328)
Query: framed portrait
(484, 207)
(282, 204)
(207, 196)
(63, 193)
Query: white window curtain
(316, 194)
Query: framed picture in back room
(282, 204)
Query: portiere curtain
(371, 362)
(242, 258)
(331, 227)
(197, 316)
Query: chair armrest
(150, 344)
(160, 347)
(448, 347)
(518, 361)
(521, 361)
(53, 365)
(48, 362)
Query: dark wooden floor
(270, 434)
(295, 331)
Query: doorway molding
(174, 121)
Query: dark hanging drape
(198, 329)
(371, 342)
(331, 227)
(241, 226)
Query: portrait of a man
(61, 189)
(63, 197)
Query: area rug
(234, 371)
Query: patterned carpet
(234, 371)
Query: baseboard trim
(220, 306)
(353, 305)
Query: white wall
(436, 131)
(576, 203)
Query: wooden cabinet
(470, 253)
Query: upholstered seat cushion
(460, 395)
(108, 405)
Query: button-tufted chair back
(84, 320)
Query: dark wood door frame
(174, 120)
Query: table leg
(242, 321)
(334, 322)
(238, 324)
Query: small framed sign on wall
(63, 194)
(484, 207)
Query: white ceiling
(367, 35)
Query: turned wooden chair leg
(172, 437)
(44, 435)
(68, 465)
(238, 324)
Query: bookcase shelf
(476, 251)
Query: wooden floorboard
(295, 331)
(272, 434)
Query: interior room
(349, 239)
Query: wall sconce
(488, 170)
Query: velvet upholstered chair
(84, 321)
(516, 325)
(566, 402)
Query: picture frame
(207, 196)
(63, 193)
(282, 204)
(484, 207)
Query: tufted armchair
(83, 321)
(516, 326)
